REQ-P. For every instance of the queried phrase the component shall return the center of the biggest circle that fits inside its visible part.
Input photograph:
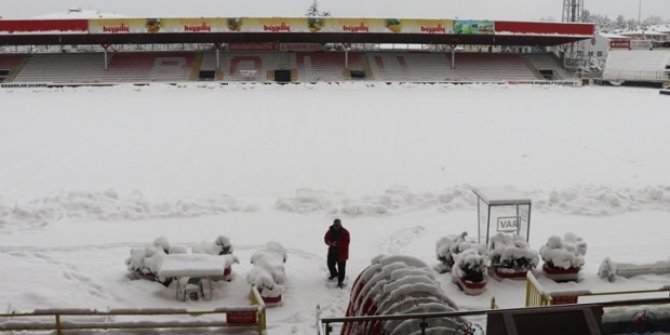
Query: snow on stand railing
(90, 319)
(536, 296)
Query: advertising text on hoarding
(199, 28)
(282, 27)
(356, 29)
(116, 29)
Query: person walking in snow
(337, 239)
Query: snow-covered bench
(610, 270)
(194, 269)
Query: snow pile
(220, 246)
(268, 271)
(579, 200)
(146, 262)
(564, 253)
(610, 270)
(397, 199)
(79, 13)
(511, 252)
(598, 200)
(109, 205)
(399, 284)
(470, 265)
(448, 247)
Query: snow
(564, 253)
(195, 265)
(501, 195)
(79, 13)
(89, 174)
(268, 273)
(503, 249)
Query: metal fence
(63, 320)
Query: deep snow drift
(87, 174)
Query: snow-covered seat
(190, 288)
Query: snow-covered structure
(399, 284)
(507, 207)
(638, 65)
(610, 270)
(563, 258)
(220, 247)
(268, 272)
(145, 262)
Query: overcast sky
(474, 9)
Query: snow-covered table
(198, 266)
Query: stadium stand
(163, 67)
(62, 68)
(490, 66)
(10, 65)
(265, 66)
(122, 67)
(548, 66)
(326, 66)
(394, 66)
(259, 66)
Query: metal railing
(324, 325)
(90, 319)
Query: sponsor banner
(641, 45)
(301, 47)
(253, 46)
(620, 44)
(201, 25)
(270, 25)
(43, 26)
(273, 25)
(241, 317)
(429, 26)
(124, 26)
(389, 25)
(474, 27)
(556, 28)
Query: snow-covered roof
(506, 195)
(78, 13)
(614, 36)
(642, 32)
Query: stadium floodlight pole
(639, 13)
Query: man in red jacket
(337, 239)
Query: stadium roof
(288, 30)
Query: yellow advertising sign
(201, 25)
(119, 26)
(428, 26)
(273, 25)
(390, 25)
(270, 25)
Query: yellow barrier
(536, 296)
(257, 300)
(98, 320)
